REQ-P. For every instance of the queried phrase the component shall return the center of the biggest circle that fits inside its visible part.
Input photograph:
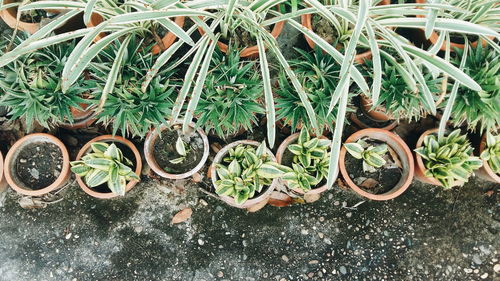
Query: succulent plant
(310, 162)
(105, 164)
(448, 159)
(372, 154)
(491, 153)
(248, 170)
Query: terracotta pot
(306, 21)
(9, 16)
(81, 118)
(419, 163)
(10, 168)
(253, 51)
(401, 149)
(3, 181)
(362, 125)
(485, 172)
(109, 138)
(229, 200)
(279, 157)
(434, 36)
(153, 135)
(378, 113)
(167, 40)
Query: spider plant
(396, 94)
(318, 74)
(478, 107)
(32, 88)
(232, 95)
(127, 107)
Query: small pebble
(484, 276)
(284, 258)
(496, 268)
(201, 242)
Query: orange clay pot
(167, 40)
(109, 138)
(9, 16)
(485, 172)
(377, 113)
(253, 51)
(403, 152)
(149, 145)
(10, 167)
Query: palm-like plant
(318, 73)
(232, 95)
(32, 88)
(127, 107)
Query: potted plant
(232, 96)
(245, 173)
(28, 21)
(32, 88)
(376, 164)
(489, 150)
(37, 164)
(481, 12)
(398, 99)
(174, 154)
(307, 160)
(107, 166)
(446, 162)
(478, 109)
(318, 75)
(128, 108)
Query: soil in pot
(325, 29)
(38, 165)
(383, 180)
(127, 152)
(287, 160)
(459, 38)
(164, 151)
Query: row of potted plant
(375, 163)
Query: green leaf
(303, 136)
(180, 147)
(96, 177)
(295, 149)
(99, 163)
(235, 168)
(113, 152)
(354, 149)
(269, 171)
(81, 170)
(99, 146)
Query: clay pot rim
(363, 126)
(396, 190)
(252, 51)
(9, 17)
(109, 138)
(279, 157)
(486, 165)
(13, 154)
(82, 122)
(378, 113)
(150, 158)
(230, 200)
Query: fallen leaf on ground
(394, 157)
(280, 199)
(369, 183)
(182, 216)
(197, 177)
(257, 206)
(341, 184)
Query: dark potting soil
(459, 38)
(127, 152)
(164, 151)
(386, 177)
(38, 165)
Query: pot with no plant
(489, 150)
(307, 160)
(376, 164)
(37, 164)
(174, 154)
(107, 167)
(245, 173)
(445, 161)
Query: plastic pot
(11, 158)
(419, 163)
(151, 138)
(167, 40)
(485, 172)
(108, 139)
(279, 157)
(253, 51)
(401, 149)
(229, 200)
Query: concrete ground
(425, 234)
